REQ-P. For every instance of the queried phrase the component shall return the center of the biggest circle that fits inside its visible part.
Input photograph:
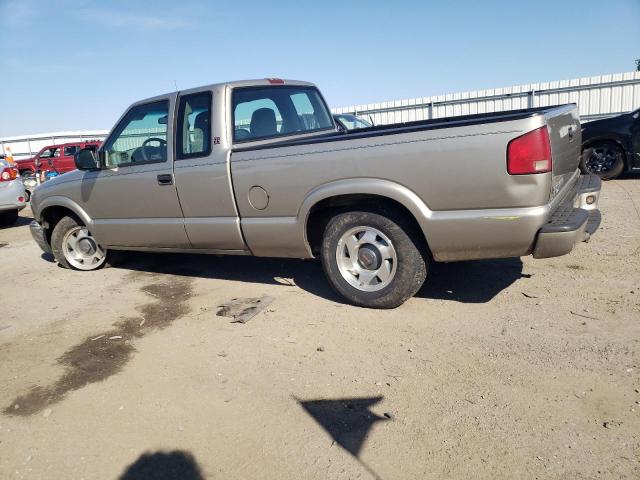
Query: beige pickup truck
(259, 168)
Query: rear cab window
(70, 150)
(277, 111)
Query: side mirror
(86, 159)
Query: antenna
(175, 84)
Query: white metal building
(597, 97)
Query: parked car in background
(64, 162)
(12, 194)
(611, 146)
(350, 121)
(259, 167)
(28, 166)
(57, 158)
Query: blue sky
(78, 64)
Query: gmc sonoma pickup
(259, 168)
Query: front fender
(65, 202)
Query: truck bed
(455, 168)
(406, 127)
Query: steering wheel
(146, 143)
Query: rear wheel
(75, 248)
(604, 159)
(8, 217)
(372, 260)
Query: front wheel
(604, 159)
(372, 260)
(74, 247)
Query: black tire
(8, 217)
(612, 164)
(57, 236)
(412, 258)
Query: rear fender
(608, 138)
(367, 186)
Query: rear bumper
(574, 221)
(39, 235)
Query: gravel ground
(514, 368)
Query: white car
(12, 195)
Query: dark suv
(611, 146)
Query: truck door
(133, 199)
(64, 163)
(201, 172)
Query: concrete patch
(104, 354)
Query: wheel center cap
(86, 246)
(369, 257)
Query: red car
(58, 158)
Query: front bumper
(575, 220)
(40, 236)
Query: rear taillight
(8, 174)
(530, 153)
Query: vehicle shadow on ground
(175, 465)
(466, 282)
(475, 281)
(20, 222)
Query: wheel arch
(53, 209)
(326, 200)
(606, 139)
(62, 203)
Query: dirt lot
(515, 368)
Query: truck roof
(259, 82)
(265, 81)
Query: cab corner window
(140, 137)
(266, 112)
(193, 135)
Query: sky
(78, 64)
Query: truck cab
(161, 181)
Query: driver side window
(141, 136)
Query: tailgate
(566, 140)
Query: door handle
(165, 179)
